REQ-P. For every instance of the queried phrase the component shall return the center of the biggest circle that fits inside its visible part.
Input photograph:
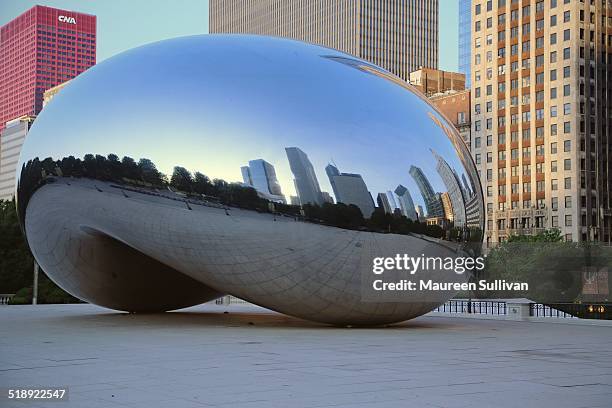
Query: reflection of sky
(212, 103)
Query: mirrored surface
(265, 168)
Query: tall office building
(541, 80)
(12, 137)
(40, 49)
(406, 203)
(262, 177)
(304, 177)
(454, 206)
(398, 35)
(432, 200)
(465, 39)
(383, 202)
(420, 212)
(349, 189)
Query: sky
(126, 24)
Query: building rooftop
(251, 357)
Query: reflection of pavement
(201, 357)
(299, 268)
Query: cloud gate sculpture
(269, 169)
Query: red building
(41, 48)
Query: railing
(489, 307)
(230, 300)
(598, 311)
(5, 298)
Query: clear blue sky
(126, 24)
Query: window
(553, 39)
(540, 25)
(568, 183)
(567, 164)
(539, 42)
(514, 154)
(567, 90)
(526, 169)
(567, 72)
(554, 203)
(553, 21)
(540, 151)
(490, 157)
(477, 26)
(553, 56)
(489, 191)
(540, 185)
(568, 201)
(477, 109)
(526, 187)
(553, 148)
(566, 35)
(489, 174)
(566, 16)
(501, 155)
(540, 168)
(477, 142)
(477, 11)
(489, 123)
(567, 127)
(477, 126)
(553, 93)
(539, 114)
(567, 108)
(489, 140)
(554, 185)
(514, 171)
(477, 158)
(553, 166)
(501, 138)
(489, 22)
(568, 220)
(567, 146)
(554, 220)
(553, 111)
(553, 74)
(553, 129)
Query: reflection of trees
(197, 186)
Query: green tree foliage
(181, 179)
(552, 267)
(17, 264)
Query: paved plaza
(250, 357)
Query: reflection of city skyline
(351, 188)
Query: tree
(202, 184)
(17, 263)
(181, 179)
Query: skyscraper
(465, 39)
(420, 212)
(383, 202)
(40, 49)
(349, 189)
(304, 177)
(432, 201)
(406, 203)
(398, 35)
(12, 137)
(454, 208)
(541, 123)
(262, 177)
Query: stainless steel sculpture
(258, 120)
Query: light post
(35, 284)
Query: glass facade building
(40, 49)
(465, 26)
